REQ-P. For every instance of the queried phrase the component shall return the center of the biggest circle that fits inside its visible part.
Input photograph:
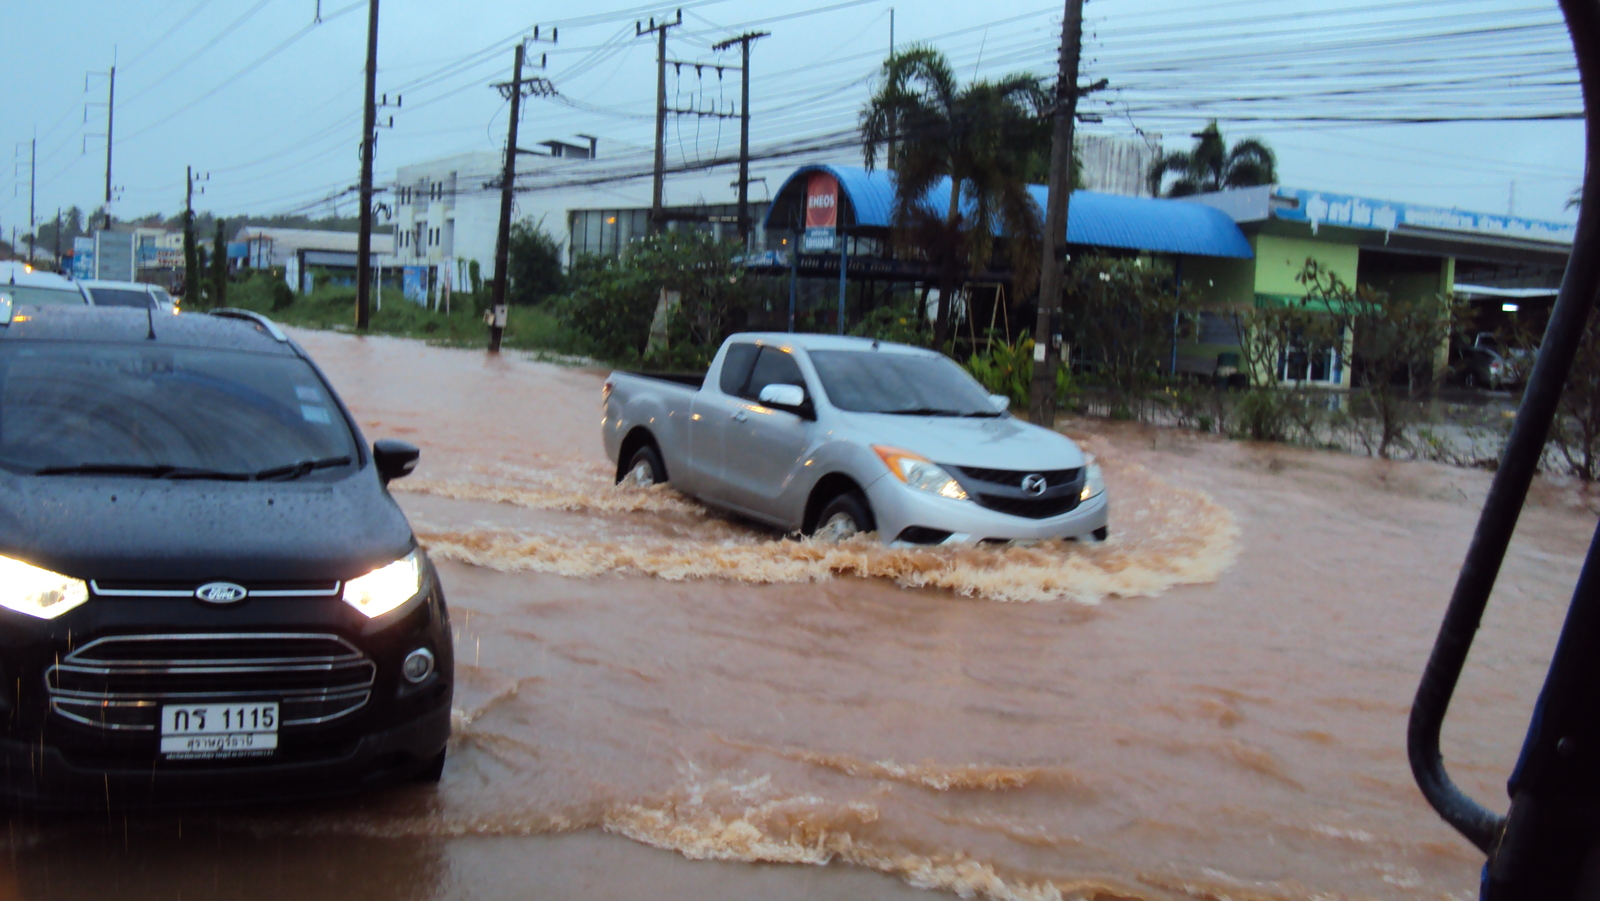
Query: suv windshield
(121, 297)
(22, 295)
(166, 411)
(893, 382)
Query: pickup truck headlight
(386, 587)
(920, 473)
(1093, 482)
(28, 589)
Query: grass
(333, 308)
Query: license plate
(192, 731)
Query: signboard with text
(822, 212)
(1323, 208)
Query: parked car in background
(23, 284)
(1487, 364)
(835, 436)
(103, 293)
(206, 591)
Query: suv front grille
(126, 588)
(121, 682)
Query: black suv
(206, 591)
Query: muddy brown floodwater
(654, 701)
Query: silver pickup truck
(834, 436)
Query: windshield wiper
(152, 470)
(920, 411)
(984, 414)
(291, 471)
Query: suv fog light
(418, 665)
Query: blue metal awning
(1095, 220)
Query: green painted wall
(1280, 259)
(1218, 281)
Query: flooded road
(654, 701)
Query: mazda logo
(220, 592)
(1035, 484)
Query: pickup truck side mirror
(1000, 401)
(783, 395)
(394, 459)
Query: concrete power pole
(369, 136)
(111, 111)
(502, 239)
(1047, 331)
(743, 41)
(656, 220)
(512, 90)
(33, 183)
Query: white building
(446, 211)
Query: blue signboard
(414, 284)
(818, 239)
(83, 257)
(1321, 207)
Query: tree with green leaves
(1213, 165)
(533, 265)
(219, 267)
(981, 137)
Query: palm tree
(981, 138)
(1212, 165)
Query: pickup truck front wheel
(846, 516)
(644, 469)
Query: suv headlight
(1093, 482)
(28, 589)
(920, 473)
(386, 587)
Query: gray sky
(269, 103)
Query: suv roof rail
(267, 324)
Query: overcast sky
(268, 101)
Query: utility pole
(33, 182)
(1047, 331)
(743, 41)
(111, 110)
(191, 251)
(656, 221)
(58, 239)
(369, 136)
(888, 159)
(111, 113)
(512, 90)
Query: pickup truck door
(712, 413)
(764, 447)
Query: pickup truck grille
(1031, 508)
(120, 682)
(1001, 490)
(1012, 478)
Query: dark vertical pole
(58, 239)
(369, 136)
(794, 277)
(33, 184)
(744, 143)
(888, 159)
(111, 108)
(502, 239)
(661, 130)
(1046, 337)
(844, 265)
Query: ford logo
(220, 592)
(1035, 484)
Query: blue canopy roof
(1095, 220)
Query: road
(655, 701)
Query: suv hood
(93, 527)
(994, 443)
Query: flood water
(655, 701)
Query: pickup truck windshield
(891, 382)
(162, 411)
